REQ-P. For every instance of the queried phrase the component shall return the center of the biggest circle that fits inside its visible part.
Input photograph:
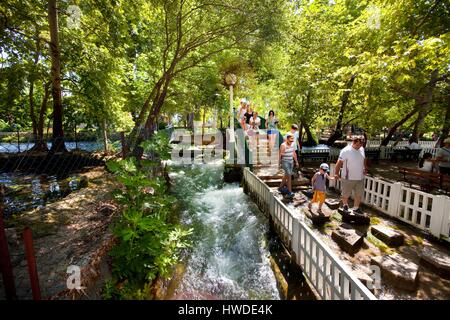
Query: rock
(348, 239)
(11, 237)
(316, 217)
(387, 235)
(436, 260)
(333, 204)
(106, 209)
(84, 182)
(299, 202)
(309, 193)
(354, 218)
(398, 271)
(362, 275)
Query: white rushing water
(229, 258)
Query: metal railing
(328, 275)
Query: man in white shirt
(353, 164)
(413, 145)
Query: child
(425, 164)
(319, 186)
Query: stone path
(380, 239)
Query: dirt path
(72, 231)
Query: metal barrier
(328, 275)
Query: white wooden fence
(423, 210)
(422, 144)
(385, 152)
(329, 276)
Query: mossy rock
(97, 181)
(84, 182)
(379, 244)
(374, 220)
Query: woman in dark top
(248, 115)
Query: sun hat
(325, 167)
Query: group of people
(251, 122)
(351, 160)
(351, 166)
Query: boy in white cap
(318, 182)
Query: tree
(58, 133)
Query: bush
(148, 245)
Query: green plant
(158, 145)
(148, 245)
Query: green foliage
(148, 245)
(158, 145)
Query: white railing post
(394, 198)
(445, 230)
(296, 238)
(439, 215)
(332, 183)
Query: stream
(229, 258)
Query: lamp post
(230, 79)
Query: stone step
(398, 271)
(354, 218)
(333, 204)
(299, 200)
(270, 177)
(436, 260)
(295, 182)
(348, 239)
(317, 218)
(387, 235)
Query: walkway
(426, 278)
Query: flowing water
(229, 258)
(28, 191)
(11, 147)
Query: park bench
(406, 154)
(427, 181)
(373, 154)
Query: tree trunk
(394, 128)
(422, 103)
(105, 136)
(31, 91)
(149, 127)
(446, 125)
(337, 134)
(58, 134)
(310, 142)
(418, 123)
(32, 112)
(39, 144)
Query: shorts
(319, 196)
(272, 131)
(347, 186)
(287, 166)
